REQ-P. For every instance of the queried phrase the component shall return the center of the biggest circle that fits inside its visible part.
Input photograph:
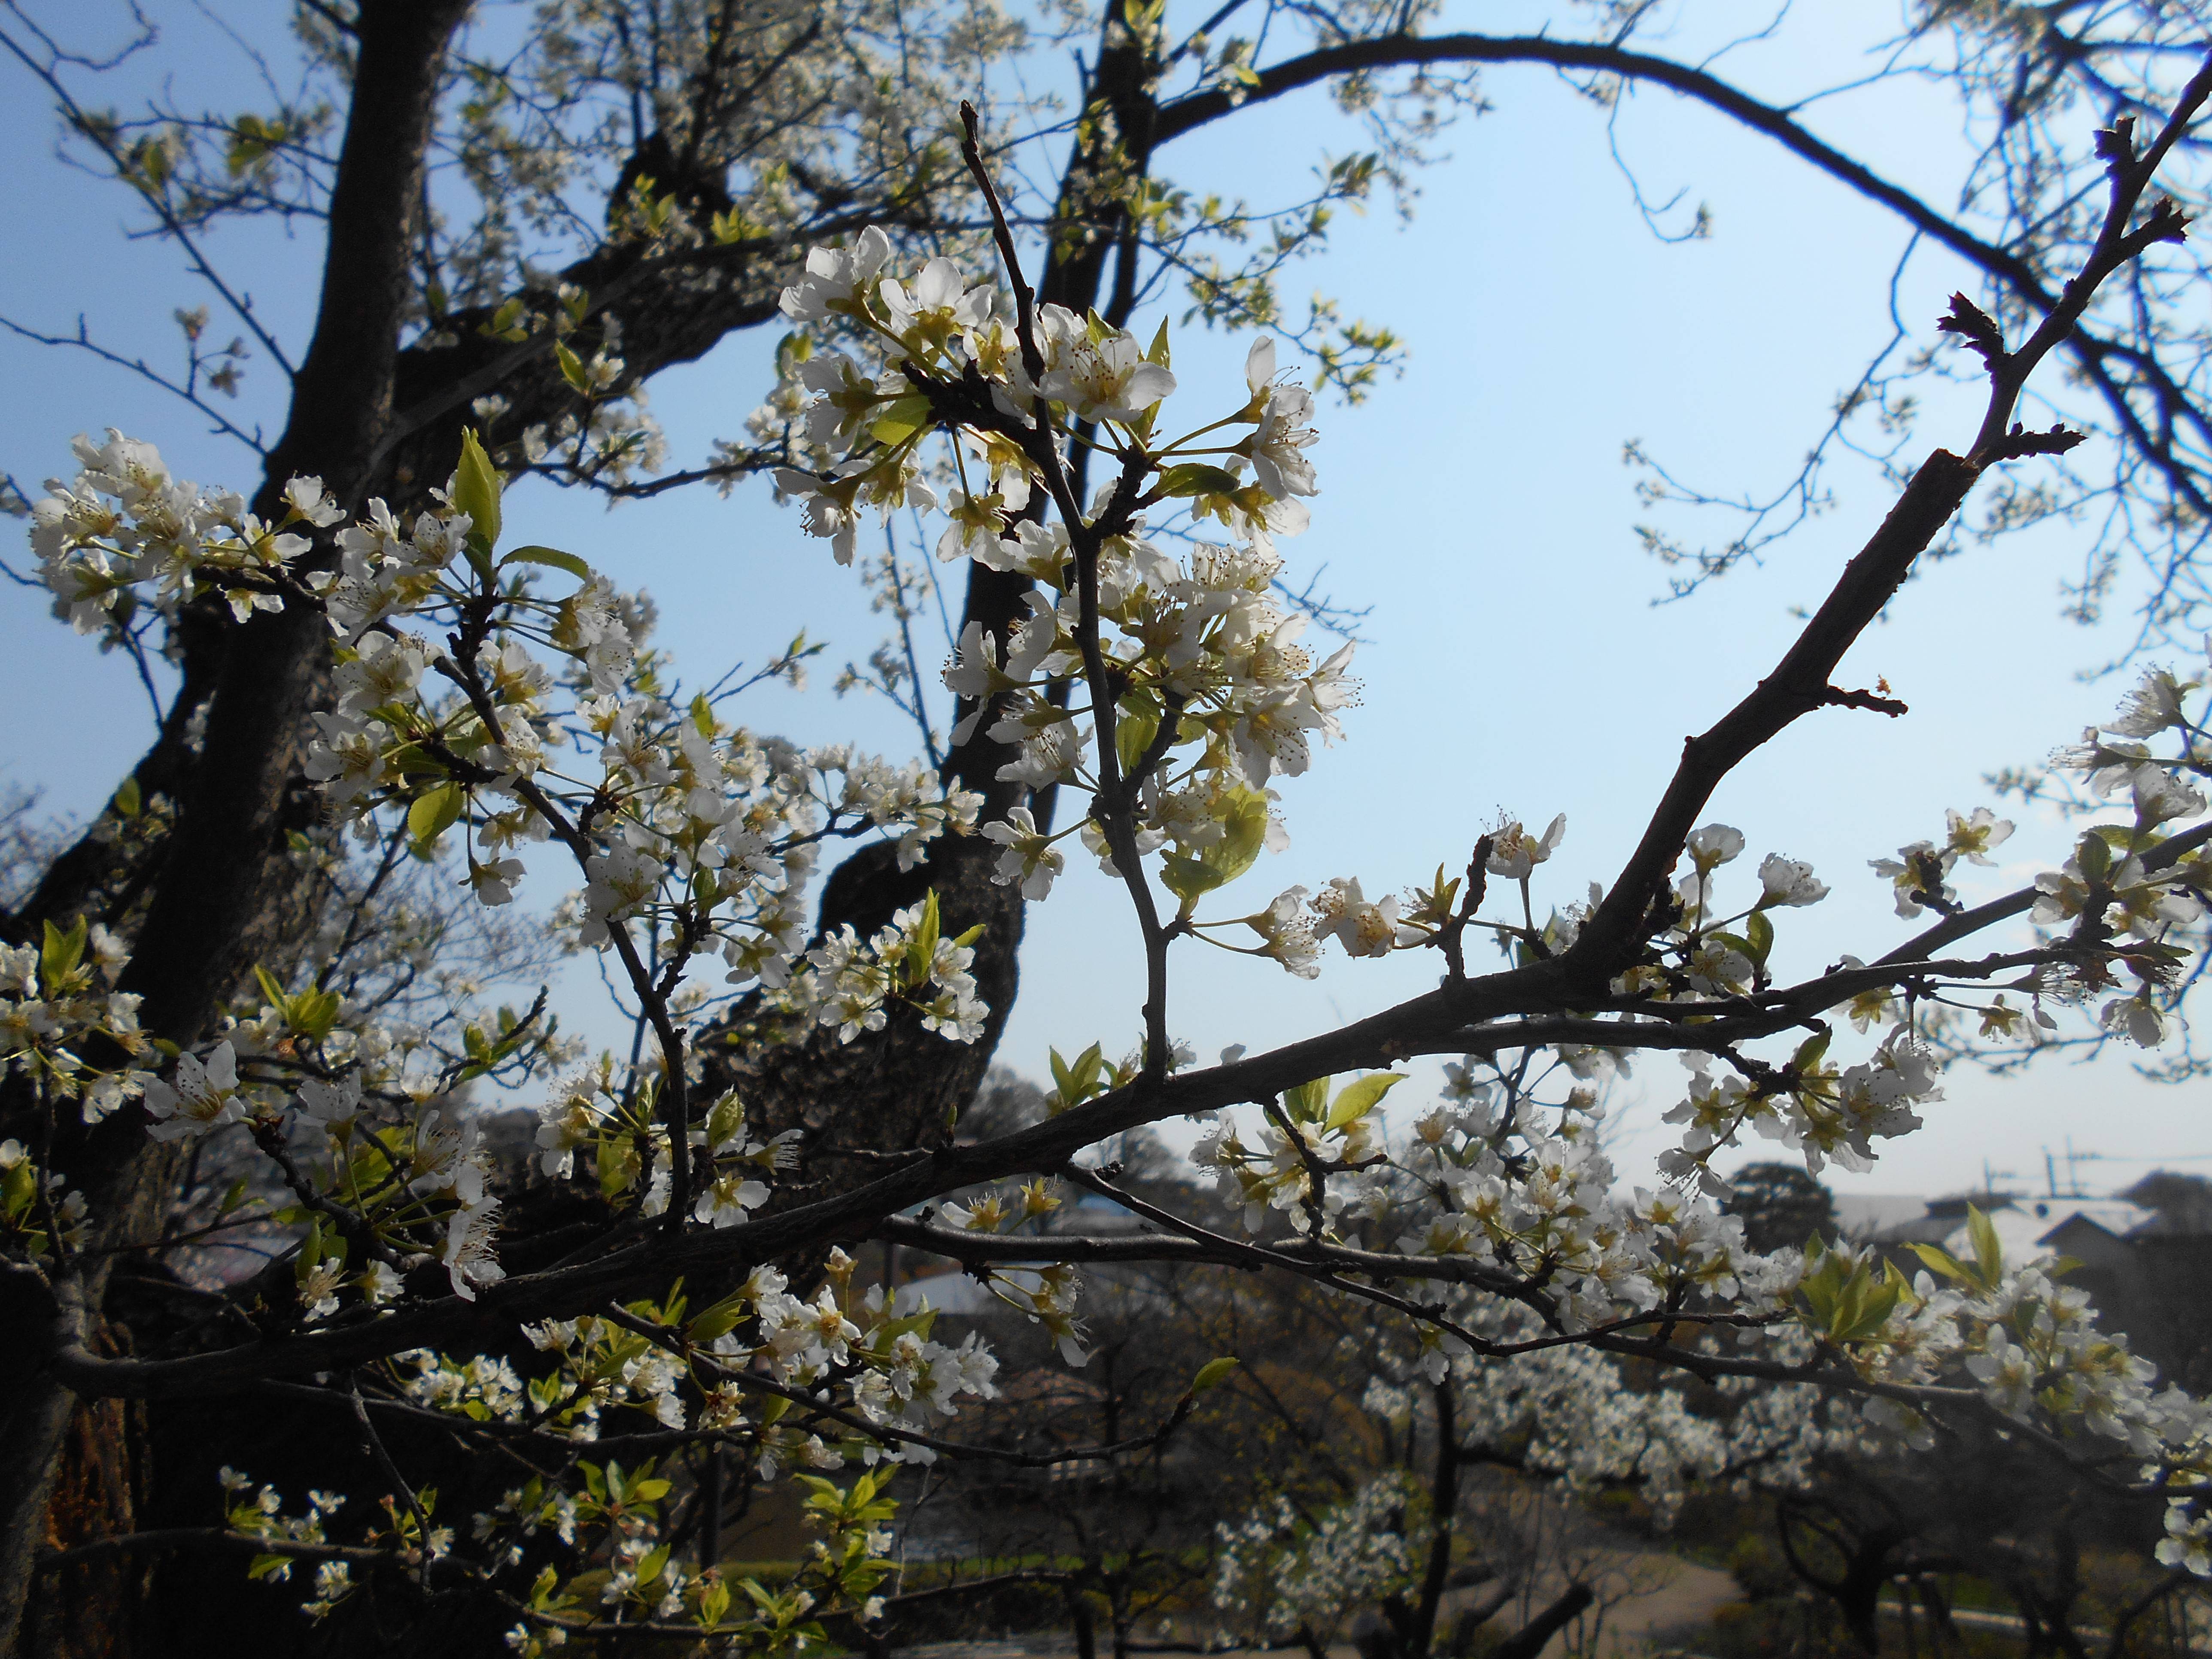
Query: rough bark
(219, 901)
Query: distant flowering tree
(493, 702)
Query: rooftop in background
(2026, 1225)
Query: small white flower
(204, 1096)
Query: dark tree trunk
(1085, 1627)
(1443, 1509)
(226, 892)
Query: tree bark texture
(226, 892)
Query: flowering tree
(494, 698)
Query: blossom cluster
(1279, 1575)
(515, 718)
(1484, 1176)
(695, 1368)
(125, 533)
(1212, 694)
(57, 999)
(2025, 1344)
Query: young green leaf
(922, 948)
(1309, 1101)
(433, 814)
(552, 556)
(60, 954)
(1359, 1096)
(1214, 1372)
(1989, 1253)
(572, 369)
(476, 489)
(1197, 479)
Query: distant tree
(1780, 1206)
(2183, 1203)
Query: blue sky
(1479, 505)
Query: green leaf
(572, 369)
(1245, 832)
(922, 948)
(1197, 479)
(2095, 858)
(433, 813)
(476, 489)
(271, 993)
(19, 1185)
(127, 802)
(1214, 1372)
(412, 760)
(1077, 1083)
(917, 1324)
(314, 1011)
(1188, 878)
(1309, 1101)
(1989, 1254)
(549, 555)
(59, 956)
(901, 418)
(1758, 934)
(725, 1119)
(1134, 735)
(1357, 1097)
(1810, 1050)
(1865, 1311)
(1941, 1261)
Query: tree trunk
(1086, 1628)
(1443, 1509)
(219, 902)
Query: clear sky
(1479, 505)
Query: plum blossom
(1787, 882)
(1515, 853)
(202, 1096)
(1364, 927)
(1029, 859)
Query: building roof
(2026, 1227)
